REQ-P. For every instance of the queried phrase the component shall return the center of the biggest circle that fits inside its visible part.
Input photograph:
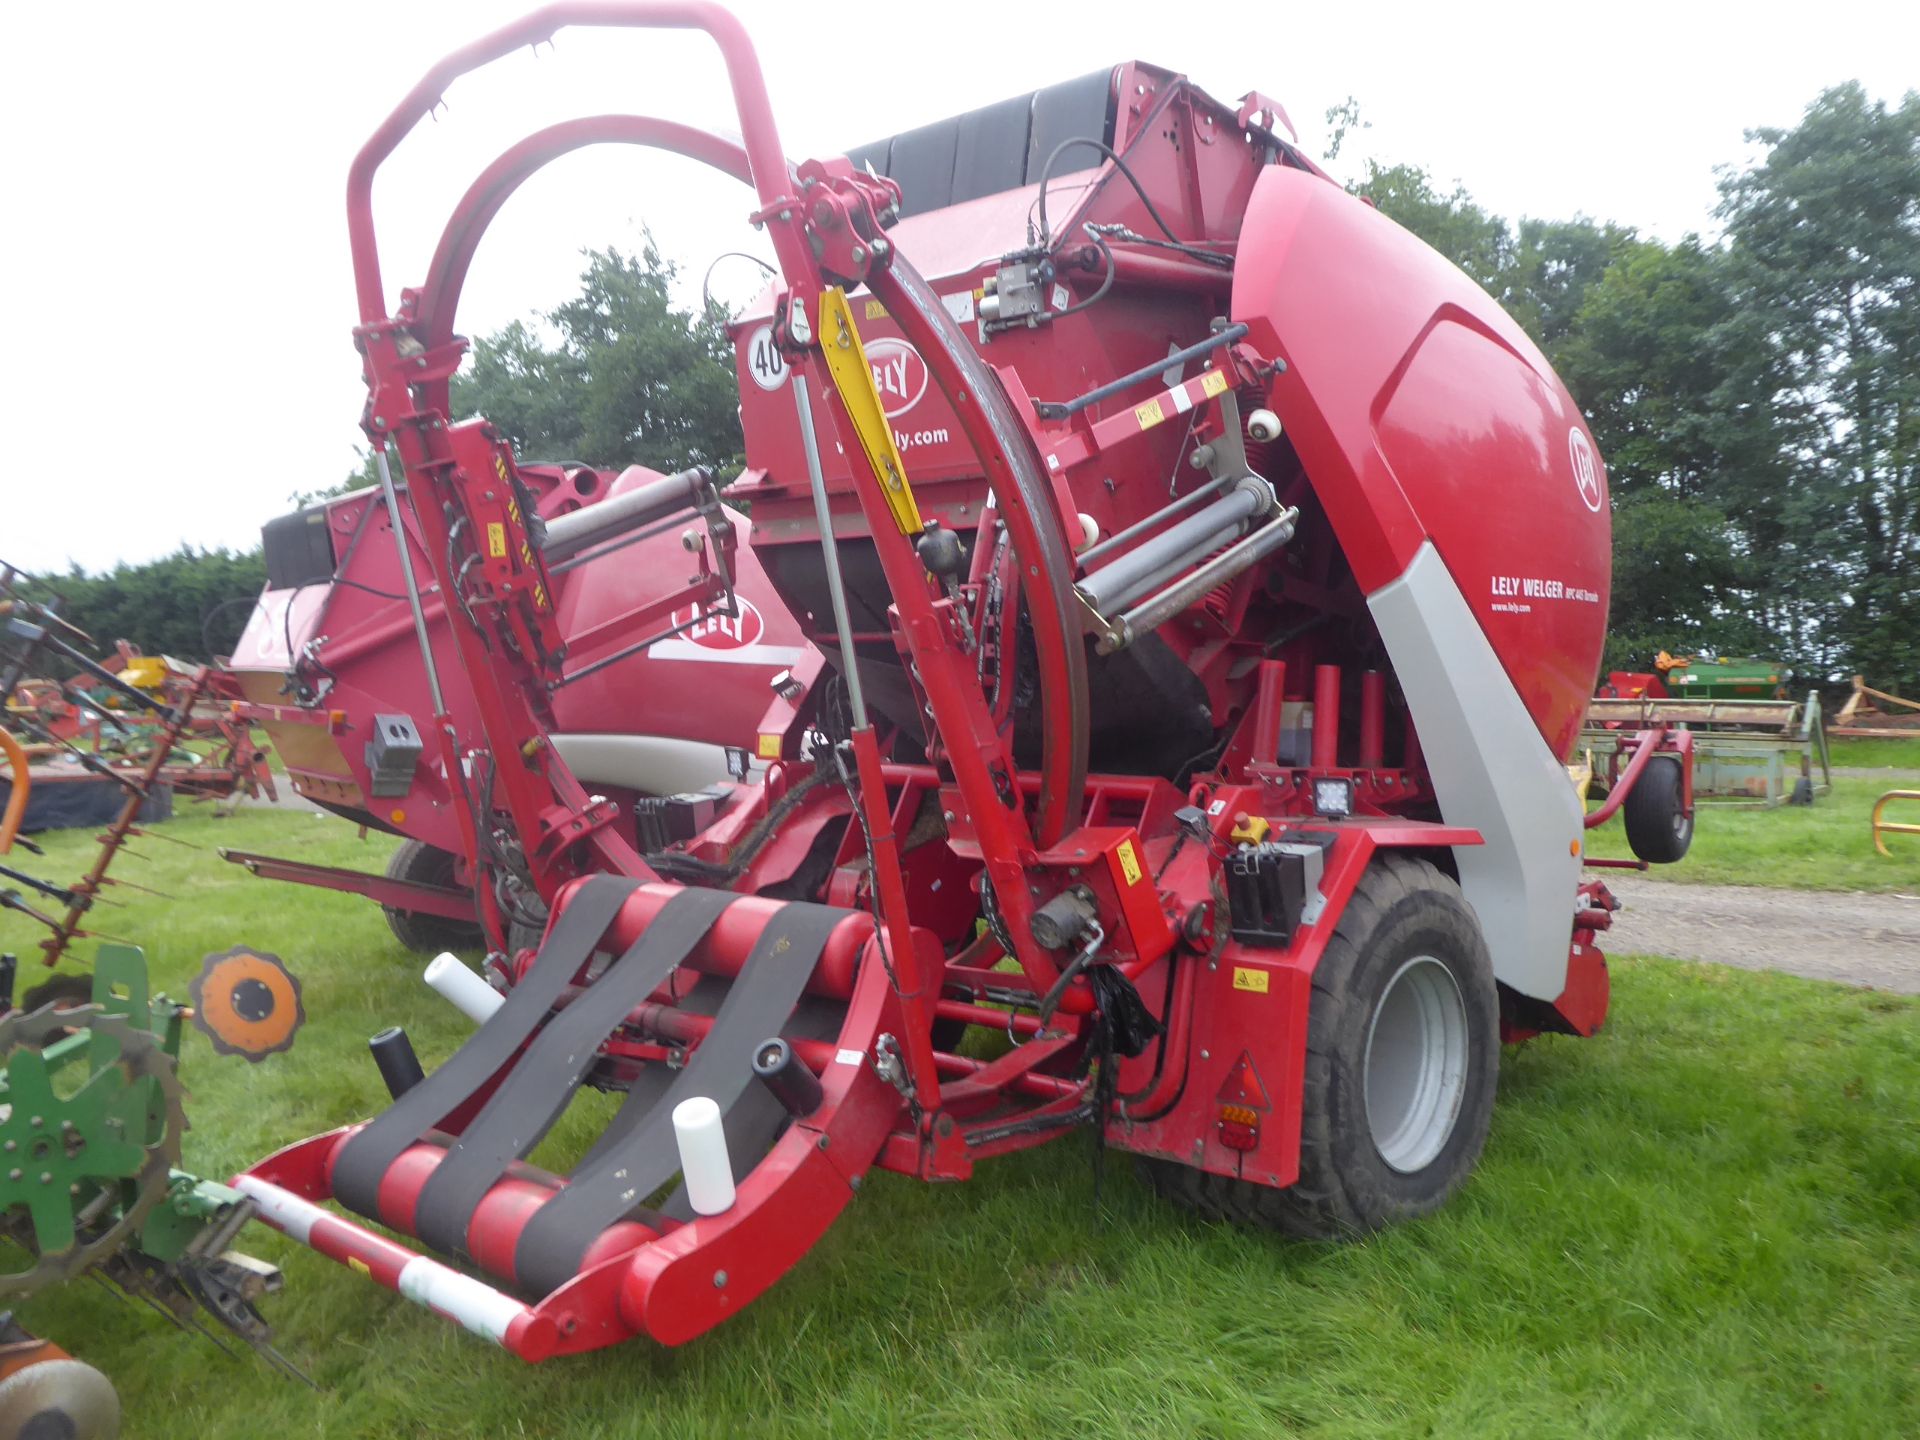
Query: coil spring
(1262, 458)
(1217, 603)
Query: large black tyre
(1658, 830)
(1407, 962)
(425, 864)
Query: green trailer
(1705, 677)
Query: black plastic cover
(1266, 893)
(298, 548)
(996, 148)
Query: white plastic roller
(705, 1166)
(467, 992)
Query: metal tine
(112, 1289)
(155, 1305)
(219, 1344)
(285, 1365)
(170, 839)
(134, 885)
(96, 935)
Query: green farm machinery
(91, 1122)
(1753, 743)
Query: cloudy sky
(176, 282)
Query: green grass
(1702, 1223)
(1878, 754)
(1824, 846)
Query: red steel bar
(1266, 722)
(1326, 716)
(1373, 719)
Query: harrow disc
(247, 1003)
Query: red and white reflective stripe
(472, 1303)
(1136, 420)
(282, 1209)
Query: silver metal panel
(651, 764)
(1491, 770)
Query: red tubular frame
(833, 210)
(438, 298)
(760, 136)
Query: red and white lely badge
(1586, 468)
(899, 374)
(719, 631)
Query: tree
(1824, 247)
(632, 379)
(1550, 270)
(1681, 582)
(192, 604)
(1642, 354)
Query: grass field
(1702, 1223)
(1878, 754)
(1824, 846)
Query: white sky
(176, 286)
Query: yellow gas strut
(853, 378)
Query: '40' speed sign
(764, 362)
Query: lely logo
(899, 374)
(1586, 468)
(721, 632)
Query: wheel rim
(1416, 1064)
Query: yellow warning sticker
(1213, 382)
(1149, 414)
(496, 540)
(1245, 977)
(875, 310)
(769, 747)
(1129, 862)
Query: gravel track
(1856, 939)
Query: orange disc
(247, 1003)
